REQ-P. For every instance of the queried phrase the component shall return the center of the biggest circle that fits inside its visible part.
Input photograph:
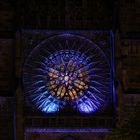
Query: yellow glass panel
(63, 90)
(77, 85)
(54, 76)
(86, 87)
(81, 87)
(62, 94)
(50, 74)
(59, 91)
(74, 92)
(82, 83)
(70, 93)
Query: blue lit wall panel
(68, 68)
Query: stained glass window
(67, 75)
(67, 69)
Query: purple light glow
(68, 69)
(29, 130)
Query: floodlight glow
(67, 69)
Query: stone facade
(65, 136)
(6, 66)
(129, 19)
(7, 118)
(122, 17)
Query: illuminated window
(67, 69)
(67, 75)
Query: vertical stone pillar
(19, 115)
(19, 95)
(118, 76)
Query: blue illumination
(30, 130)
(67, 69)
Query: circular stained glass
(67, 69)
(67, 75)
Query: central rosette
(67, 75)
